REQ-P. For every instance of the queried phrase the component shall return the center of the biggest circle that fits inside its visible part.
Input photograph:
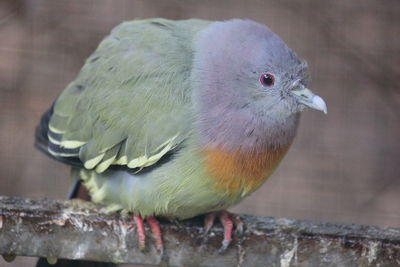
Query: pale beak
(308, 98)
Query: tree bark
(76, 229)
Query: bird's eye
(267, 79)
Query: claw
(228, 220)
(225, 245)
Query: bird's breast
(240, 172)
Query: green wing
(130, 104)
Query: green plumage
(183, 105)
(132, 96)
(130, 105)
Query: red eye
(267, 79)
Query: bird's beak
(308, 98)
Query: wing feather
(130, 104)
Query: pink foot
(228, 220)
(140, 231)
(155, 229)
(227, 223)
(209, 222)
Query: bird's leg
(237, 222)
(227, 223)
(155, 229)
(208, 222)
(228, 220)
(140, 231)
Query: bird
(179, 118)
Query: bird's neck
(242, 130)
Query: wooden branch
(81, 230)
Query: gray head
(243, 69)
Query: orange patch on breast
(241, 172)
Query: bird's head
(244, 65)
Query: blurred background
(342, 167)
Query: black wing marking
(43, 143)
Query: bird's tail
(42, 262)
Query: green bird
(179, 118)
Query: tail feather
(42, 262)
(41, 138)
